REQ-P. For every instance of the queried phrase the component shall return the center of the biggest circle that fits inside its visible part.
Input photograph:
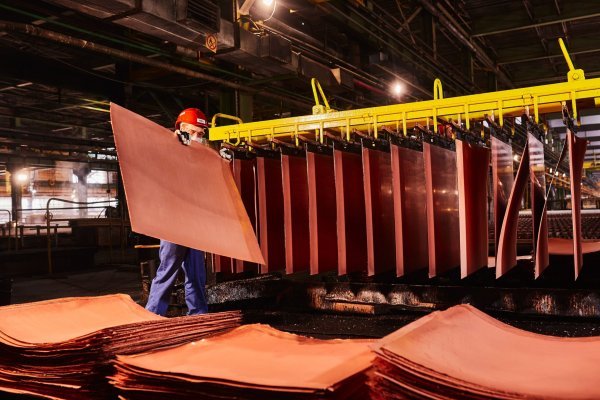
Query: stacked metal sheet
(250, 362)
(61, 349)
(463, 353)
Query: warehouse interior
(370, 186)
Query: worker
(190, 127)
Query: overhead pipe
(369, 87)
(87, 45)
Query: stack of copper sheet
(61, 349)
(463, 353)
(251, 362)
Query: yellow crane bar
(513, 102)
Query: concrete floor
(94, 282)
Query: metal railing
(9, 224)
(81, 206)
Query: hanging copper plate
(442, 209)
(322, 210)
(295, 211)
(502, 180)
(410, 214)
(473, 164)
(270, 210)
(351, 230)
(506, 257)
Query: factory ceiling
(64, 60)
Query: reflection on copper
(322, 212)
(473, 164)
(503, 180)
(442, 209)
(270, 211)
(351, 230)
(537, 175)
(506, 257)
(202, 211)
(577, 148)
(379, 206)
(464, 353)
(410, 215)
(295, 211)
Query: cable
(273, 12)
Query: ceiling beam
(446, 20)
(503, 23)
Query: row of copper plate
(463, 353)
(367, 207)
(250, 362)
(508, 194)
(61, 349)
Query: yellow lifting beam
(513, 102)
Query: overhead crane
(375, 152)
(577, 91)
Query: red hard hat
(192, 116)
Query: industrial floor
(126, 279)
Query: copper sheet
(322, 212)
(270, 212)
(379, 206)
(351, 229)
(506, 257)
(565, 247)
(577, 148)
(503, 180)
(473, 164)
(62, 348)
(410, 214)
(463, 353)
(442, 209)
(295, 211)
(53, 320)
(262, 359)
(537, 176)
(183, 194)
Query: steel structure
(513, 102)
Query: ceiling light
(516, 158)
(397, 89)
(267, 2)
(22, 176)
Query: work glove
(226, 153)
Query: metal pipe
(369, 87)
(538, 24)
(87, 45)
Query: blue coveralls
(172, 257)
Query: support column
(16, 191)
